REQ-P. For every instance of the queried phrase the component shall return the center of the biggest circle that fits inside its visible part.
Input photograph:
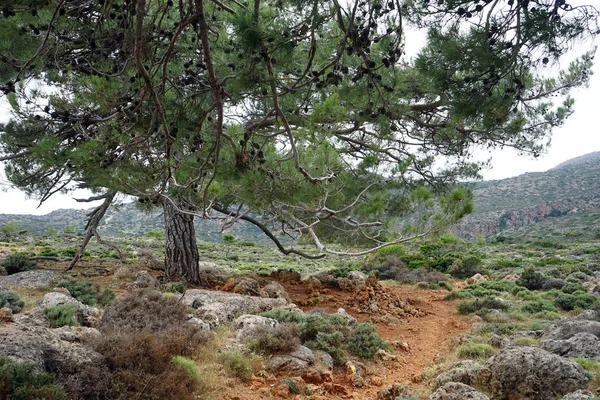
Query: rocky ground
(421, 326)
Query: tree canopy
(302, 116)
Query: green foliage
(331, 343)
(593, 368)
(537, 326)
(466, 267)
(15, 263)
(538, 306)
(237, 364)
(107, 298)
(283, 338)
(569, 302)
(396, 250)
(365, 341)
(228, 238)
(446, 285)
(12, 228)
(155, 234)
(531, 279)
(19, 380)
(48, 252)
(60, 315)
(11, 300)
(488, 303)
(189, 366)
(526, 341)
(282, 315)
(476, 351)
(503, 329)
(85, 292)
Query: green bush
(48, 252)
(569, 302)
(189, 366)
(281, 339)
(489, 303)
(18, 263)
(572, 287)
(446, 285)
(106, 298)
(477, 351)
(365, 341)
(20, 381)
(593, 368)
(503, 329)
(83, 291)
(11, 300)
(531, 279)
(228, 238)
(538, 306)
(526, 341)
(466, 267)
(282, 315)
(237, 364)
(331, 343)
(391, 250)
(537, 326)
(60, 315)
(315, 322)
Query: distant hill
(564, 199)
(127, 219)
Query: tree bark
(181, 250)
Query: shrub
(498, 329)
(281, 339)
(569, 302)
(83, 291)
(396, 250)
(466, 267)
(20, 381)
(526, 341)
(145, 362)
(331, 343)
(526, 294)
(48, 252)
(365, 341)
(237, 364)
(60, 315)
(475, 351)
(572, 287)
(11, 300)
(537, 326)
(180, 287)
(531, 279)
(227, 238)
(553, 283)
(18, 263)
(282, 315)
(107, 298)
(593, 368)
(315, 322)
(143, 310)
(422, 285)
(485, 303)
(538, 306)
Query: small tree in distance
(305, 113)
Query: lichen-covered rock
(498, 341)
(579, 395)
(274, 290)
(591, 315)
(199, 323)
(86, 315)
(565, 328)
(36, 279)
(534, 374)
(462, 374)
(298, 362)
(457, 391)
(217, 307)
(244, 324)
(579, 345)
(357, 276)
(45, 348)
(350, 320)
(393, 391)
(145, 280)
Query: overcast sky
(580, 135)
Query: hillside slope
(563, 199)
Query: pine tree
(306, 113)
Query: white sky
(578, 136)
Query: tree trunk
(181, 250)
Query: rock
(36, 279)
(350, 320)
(324, 361)
(244, 324)
(297, 362)
(477, 278)
(247, 286)
(579, 345)
(498, 341)
(211, 275)
(385, 356)
(590, 315)
(145, 280)
(312, 285)
(393, 391)
(346, 284)
(289, 386)
(3, 271)
(274, 290)
(565, 328)
(529, 334)
(124, 272)
(534, 374)
(216, 307)
(76, 334)
(356, 373)
(464, 375)
(45, 348)
(457, 391)
(199, 323)
(86, 315)
(579, 395)
(6, 315)
(496, 316)
(357, 276)
(288, 276)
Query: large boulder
(274, 290)
(565, 328)
(298, 362)
(145, 280)
(579, 395)
(86, 315)
(579, 345)
(457, 391)
(217, 307)
(534, 374)
(46, 348)
(244, 324)
(36, 279)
